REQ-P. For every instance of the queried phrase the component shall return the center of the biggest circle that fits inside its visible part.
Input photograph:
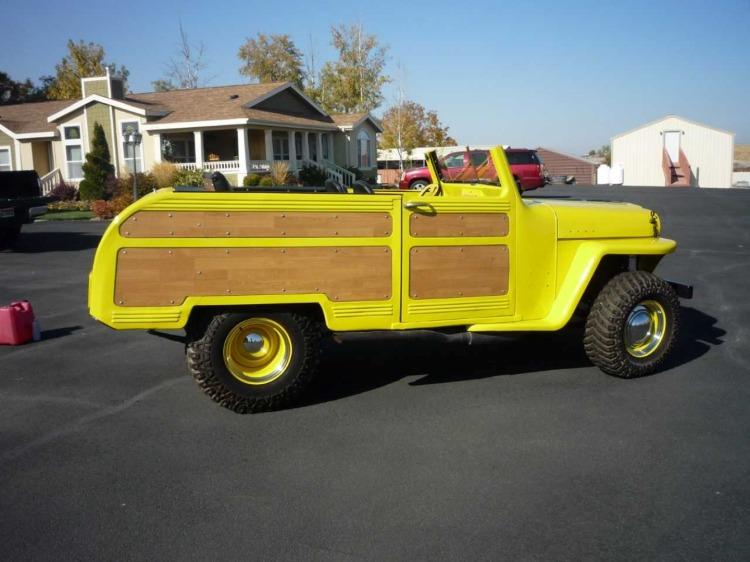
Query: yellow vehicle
(256, 278)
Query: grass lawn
(72, 215)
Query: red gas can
(16, 323)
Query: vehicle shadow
(59, 332)
(360, 363)
(62, 241)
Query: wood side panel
(255, 224)
(458, 271)
(166, 276)
(456, 225)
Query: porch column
(157, 147)
(292, 152)
(305, 146)
(269, 144)
(198, 141)
(243, 153)
(319, 146)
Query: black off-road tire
(604, 339)
(206, 362)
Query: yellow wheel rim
(645, 328)
(257, 351)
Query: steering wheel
(429, 189)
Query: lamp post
(133, 138)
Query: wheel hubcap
(257, 351)
(645, 328)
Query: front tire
(418, 185)
(255, 361)
(632, 325)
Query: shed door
(672, 145)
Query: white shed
(674, 151)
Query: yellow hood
(597, 219)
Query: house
(674, 151)
(236, 130)
(558, 163)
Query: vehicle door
(457, 252)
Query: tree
(21, 92)
(82, 61)
(183, 70)
(272, 58)
(354, 81)
(408, 125)
(163, 85)
(97, 167)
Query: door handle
(422, 207)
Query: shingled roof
(30, 117)
(219, 103)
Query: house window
(280, 145)
(298, 145)
(178, 149)
(5, 163)
(364, 150)
(73, 152)
(133, 155)
(324, 140)
(312, 146)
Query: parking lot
(410, 446)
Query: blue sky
(565, 75)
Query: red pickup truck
(527, 168)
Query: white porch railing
(226, 165)
(50, 181)
(212, 165)
(341, 175)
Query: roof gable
(290, 101)
(655, 121)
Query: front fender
(583, 258)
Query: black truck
(21, 201)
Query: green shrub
(266, 181)
(251, 180)
(189, 177)
(97, 167)
(311, 175)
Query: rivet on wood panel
(135, 219)
(335, 232)
(283, 216)
(200, 273)
(229, 233)
(170, 215)
(127, 233)
(283, 290)
(197, 224)
(229, 290)
(226, 214)
(171, 232)
(317, 289)
(226, 251)
(461, 233)
(283, 233)
(169, 252)
(120, 302)
(283, 251)
(171, 301)
(124, 252)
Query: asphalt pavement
(408, 447)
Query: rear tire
(418, 185)
(255, 361)
(632, 325)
